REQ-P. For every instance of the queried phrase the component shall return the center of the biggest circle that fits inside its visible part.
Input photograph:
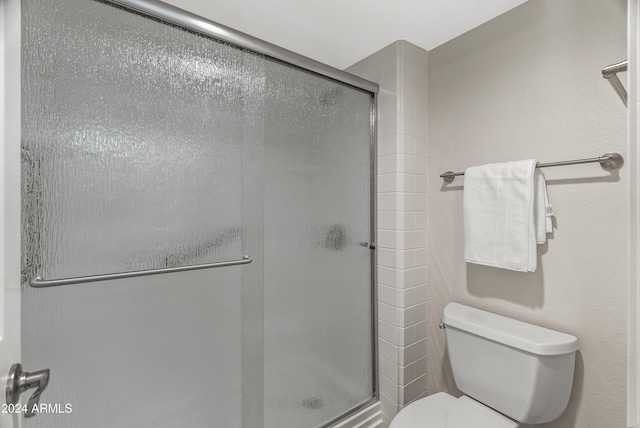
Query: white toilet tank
(519, 369)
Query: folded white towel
(542, 209)
(501, 211)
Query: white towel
(542, 209)
(504, 216)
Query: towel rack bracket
(448, 177)
(611, 161)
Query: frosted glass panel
(137, 139)
(162, 351)
(318, 325)
(134, 132)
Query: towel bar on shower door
(42, 283)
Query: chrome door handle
(371, 246)
(19, 381)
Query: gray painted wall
(528, 85)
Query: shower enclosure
(147, 145)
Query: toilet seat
(442, 410)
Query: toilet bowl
(443, 410)
(510, 372)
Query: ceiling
(342, 32)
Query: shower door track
(182, 18)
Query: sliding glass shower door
(141, 143)
(146, 146)
(318, 310)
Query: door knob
(19, 381)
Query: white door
(9, 198)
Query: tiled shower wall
(401, 71)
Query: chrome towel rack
(38, 282)
(608, 161)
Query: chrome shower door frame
(182, 18)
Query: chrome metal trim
(374, 239)
(608, 162)
(182, 18)
(610, 73)
(38, 282)
(611, 70)
(350, 412)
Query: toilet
(510, 373)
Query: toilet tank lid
(517, 334)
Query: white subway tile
(388, 145)
(388, 276)
(413, 352)
(412, 371)
(421, 293)
(387, 313)
(390, 295)
(411, 391)
(389, 76)
(409, 259)
(421, 184)
(389, 406)
(390, 182)
(422, 108)
(413, 201)
(399, 260)
(380, 258)
(389, 257)
(412, 164)
(387, 164)
(406, 183)
(408, 145)
(416, 73)
(406, 221)
(388, 332)
(421, 330)
(421, 147)
(390, 220)
(388, 369)
(421, 256)
(387, 105)
(388, 351)
(412, 315)
(412, 239)
(414, 90)
(406, 336)
(414, 127)
(412, 54)
(406, 298)
(414, 277)
(389, 126)
(388, 239)
(387, 387)
(388, 201)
